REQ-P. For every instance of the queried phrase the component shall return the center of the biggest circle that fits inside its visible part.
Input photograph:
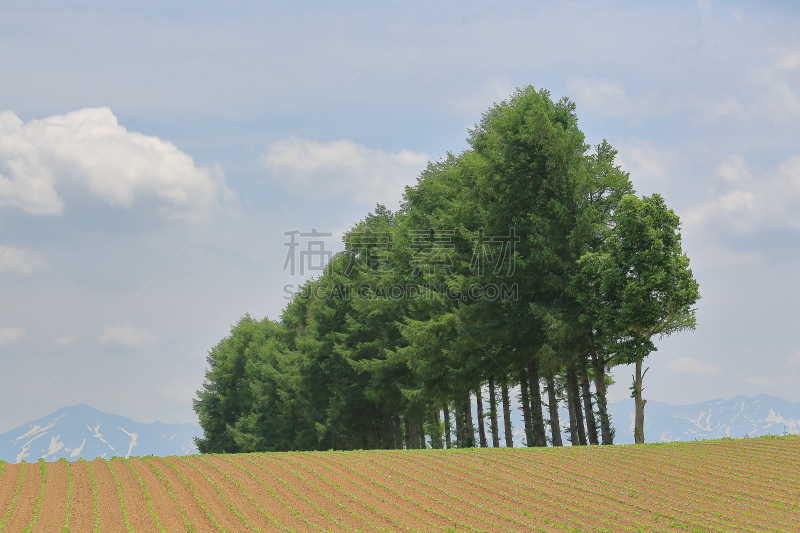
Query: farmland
(722, 485)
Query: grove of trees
(526, 263)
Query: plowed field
(723, 485)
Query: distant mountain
(80, 431)
(739, 417)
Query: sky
(154, 155)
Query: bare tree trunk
(576, 400)
(600, 391)
(573, 419)
(555, 424)
(469, 426)
(481, 425)
(459, 414)
(507, 416)
(493, 414)
(398, 432)
(376, 436)
(638, 432)
(526, 411)
(416, 436)
(447, 431)
(407, 432)
(537, 419)
(436, 430)
(388, 435)
(591, 428)
(421, 444)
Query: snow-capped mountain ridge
(738, 417)
(80, 431)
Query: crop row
(749, 485)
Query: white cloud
(609, 97)
(344, 168)
(788, 59)
(795, 359)
(9, 335)
(763, 381)
(492, 91)
(127, 169)
(65, 340)
(690, 365)
(19, 261)
(126, 335)
(646, 162)
(747, 203)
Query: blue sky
(152, 157)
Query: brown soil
(326, 495)
(726, 486)
(215, 504)
(22, 513)
(293, 491)
(360, 499)
(135, 503)
(194, 512)
(8, 482)
(271, 502)
(52, 513)
(81, 511)
(689, 501)
(109, 506)
(235, 495)
(167, 512)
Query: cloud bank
(690, 365)
(125, 168)
(126, 335)
(344, 168)
(9, 335)
(19, 261)
(747, 199)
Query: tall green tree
(639, 286)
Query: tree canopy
(525, 262)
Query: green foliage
(639, 284)
(68, 508)
(591, 274)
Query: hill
(80, 431)
(718, 485)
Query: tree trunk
(398, 432)
(591, 428)
(600, 391)
(459, 415)
(447, 431)
(407, 432)
(572, 408)
(421, 436)
(376, 436)
(638, 432)
(493, 414)
(576, 401)
(555, 424)
(481, 425)
(508, 430)
(388, 434)
(436, 430)
(417, 435)
(537, 420)
(526, 411)
(469, 426)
